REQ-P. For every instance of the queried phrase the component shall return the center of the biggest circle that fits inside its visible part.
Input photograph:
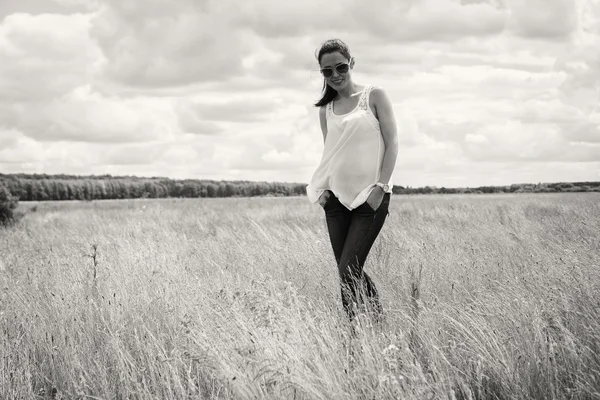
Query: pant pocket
(374, 209)
(371, 208)
(328, 199)
(385, 202)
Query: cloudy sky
(484, 91)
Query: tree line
(514, 188)
(42, 187)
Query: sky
(485, 92)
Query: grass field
(486, 297)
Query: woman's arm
(389, 131)
(323, 120)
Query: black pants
(352, 234)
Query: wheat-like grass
(485, 297)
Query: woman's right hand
(324, 197)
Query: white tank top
(351, 162)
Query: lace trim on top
(363, 102)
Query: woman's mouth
(337, 82)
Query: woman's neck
(348, 90)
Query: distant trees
(43, 187)
(7, 205)
(38, 187)
(514, 188)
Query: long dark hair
(330, 46)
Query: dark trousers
(352, 234)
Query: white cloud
(190, 121)
(47, 67)
(298, 146)
(82, 115)
(483, 90)
(16, 148)
(475, 138)
(514, 140)
(233, 110)
(581, 61)
(44, 56)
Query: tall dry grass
(486, 297)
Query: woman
(353, 181)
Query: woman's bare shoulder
(378, 91)
(378, 96)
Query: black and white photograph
(276, 199)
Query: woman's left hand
(375, 198)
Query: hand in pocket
(375, 198)
(324, 197)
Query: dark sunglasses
(340, 68)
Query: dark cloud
(582, 132)
(189, 43)
(542, 18)
(434, 21)
(36, 7)
(190, 122)
(168, 43)
(374, 20)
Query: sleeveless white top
(351, 162)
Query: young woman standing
(353, 180)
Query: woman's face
(331, 74)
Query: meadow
(485, 297)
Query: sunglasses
(340, 68)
